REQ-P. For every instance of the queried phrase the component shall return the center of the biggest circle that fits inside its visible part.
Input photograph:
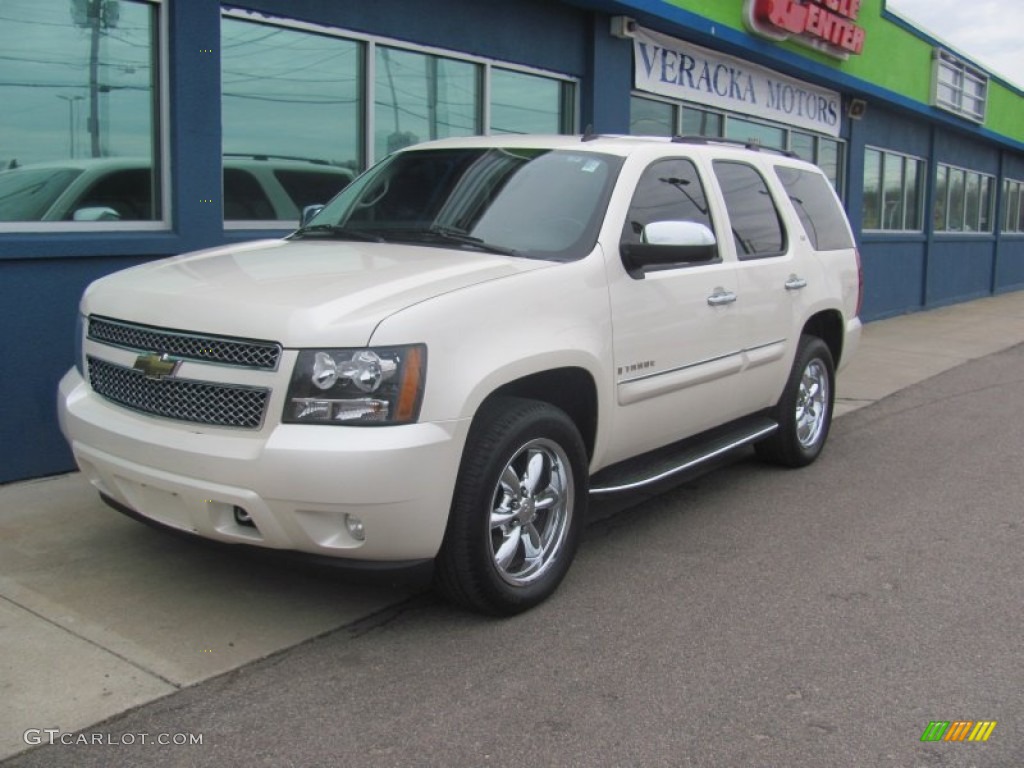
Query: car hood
(299, 293)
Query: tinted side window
(669, 190)
(244, 197)
(820, 215)
(127, 192)
(756, 224)
(311, 187)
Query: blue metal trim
(893, 237)
(50, 245)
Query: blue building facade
(164, 92)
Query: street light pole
(71, 120)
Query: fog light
(243, 518)
(355, 527)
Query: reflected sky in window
(58, 70)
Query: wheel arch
(571, 389)
(827, 325)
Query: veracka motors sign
(828, 26)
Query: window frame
(1013, 190)
(952, 172)
(370, 42)
(920, 165)
(949, 72)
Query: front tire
(804, 412)
(518, 508)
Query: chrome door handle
(795, 283)
(720, 297)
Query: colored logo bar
(958, 730)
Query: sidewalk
(896, 353)
(99, 615)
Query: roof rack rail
(265, 156)
(746, 143)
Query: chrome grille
(201, 402)
(189, 346)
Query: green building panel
(893, 58)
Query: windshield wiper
(344, 233)
(458, 237)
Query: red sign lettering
(827, 21)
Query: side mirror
(96, 213)
(308, 213)
(666, 243)
(684, 233)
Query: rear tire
(518, 509)
(804, 412)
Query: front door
(676, 328)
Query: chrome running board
(680, 457)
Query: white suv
(470, 340)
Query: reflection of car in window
(256, 188)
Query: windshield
(538, 203)
(27, 194)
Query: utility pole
(96, 15)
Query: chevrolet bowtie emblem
(154, 366)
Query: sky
(987, 31)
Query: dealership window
(79, 119)
(653, 117)
(656, 117)
(648, 117)
(526, 103)
(963, 200)
(702, 122)
(892, 191)
(305, 108)
(291, 115)
(958, 87)
(1013, 194)
(420, 97)
(762, 134)
(802, 145)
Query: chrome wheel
(531, 512)
(518, 509)
(804, 412)
(812, 402)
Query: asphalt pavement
(754, 617)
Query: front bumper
(297, 483)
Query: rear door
(771, 280)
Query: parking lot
(753, 617)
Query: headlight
(381, 385)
